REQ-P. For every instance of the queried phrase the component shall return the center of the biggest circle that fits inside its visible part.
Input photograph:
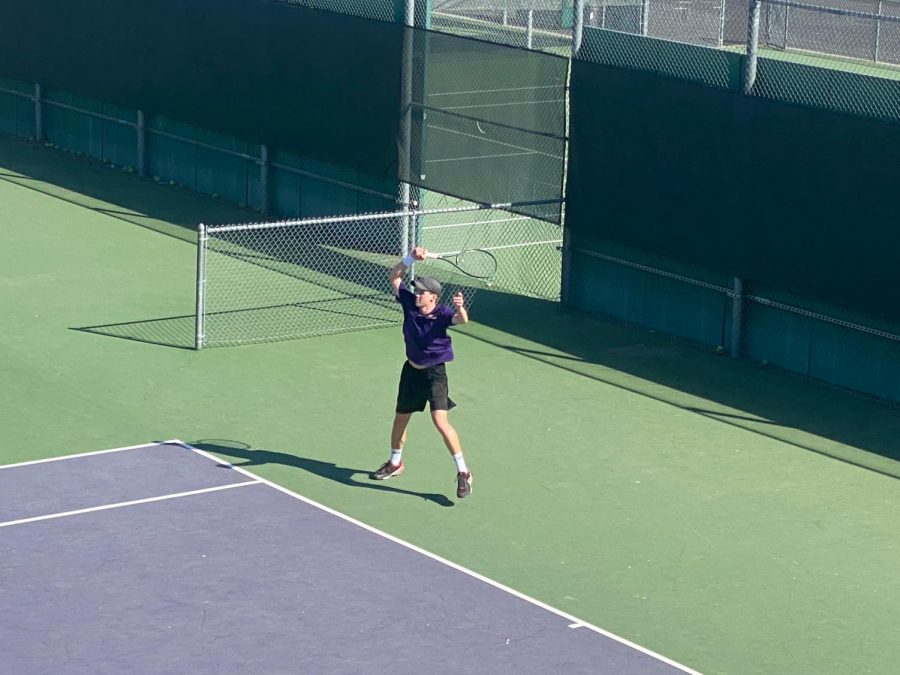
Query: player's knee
(441, 422)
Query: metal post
(645, 17)
(722, 24)
(737, 317)
(752, 47)
(529, 33)
(578, 27)
(38, 114)
(877, 32)
(200, 311)
(405, 157)
(141, 130)
(264, 188)
(787, 26)
(505, 16)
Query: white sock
(395, 456)
(460, 463)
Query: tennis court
(204, 562)
(729, 518)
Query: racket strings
(477, 263)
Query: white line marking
(526, 151)
(494, 91)
(119, 505)
(577, 624)
(459, 568)
(89, 454)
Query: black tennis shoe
(387, 470)
(463, 484)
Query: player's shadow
(250, 457)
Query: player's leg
(394, 466)
(441, 403)
(410, 398)
(451, 440)
(398, 430)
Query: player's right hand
(419, 253)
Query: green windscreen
(793, 198)
(317, 83)
(488, 121)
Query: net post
(200, 307)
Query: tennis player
(424, 375)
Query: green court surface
(734, 519)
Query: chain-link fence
(383, 10)
(263, 282)
(544, 25)
(766, 325)
(845, 57)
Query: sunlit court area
(659, 234)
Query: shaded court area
(159, 558)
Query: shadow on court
(92, 185)
(235, 450)
(768, 402)
(172, 331)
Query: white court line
(89, 454)
(119, 505)
(575, 622)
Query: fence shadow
(90, 184)
(172, 331)
(250, 457)
(765, 401)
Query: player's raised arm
(395, 276)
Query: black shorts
(421, 386)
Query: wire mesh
(696, 22)
(813, 338)
(814, 55)
(543, 25)
(262, 282)
(686, 39)
(383, 10)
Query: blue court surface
(161, 559)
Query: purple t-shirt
(427, 342)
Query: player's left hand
(458, 299)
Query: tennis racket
(473, 262)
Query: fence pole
(529, 33)
(265, 190)
(721, 39)
(878, 32)
(38, 114)
(200, 308)
(645, 17)
(406, 85)
(578, 27)
(752, 47)
(141, 130)
(737, 317)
